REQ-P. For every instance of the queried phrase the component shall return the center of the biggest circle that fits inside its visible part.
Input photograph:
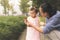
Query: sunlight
(15, 4)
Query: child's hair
(33, 8)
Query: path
(22, 37)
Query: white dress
(32, 34)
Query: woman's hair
(33, 8)
(46, 7)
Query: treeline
(54, 3)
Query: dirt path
(22, 37)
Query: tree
(54, 3)
(36, 3)
(5, 4)
(24, 6)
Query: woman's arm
(51, 25)
(37, 28)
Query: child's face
(33, 13)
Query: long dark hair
(46, 7)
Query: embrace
(52, 25)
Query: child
(33, 34)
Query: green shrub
(11, 27)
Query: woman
(52, 19)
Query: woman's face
(43, 14)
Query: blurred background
(12, 13)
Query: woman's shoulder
(57, 15)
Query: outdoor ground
(23, 36)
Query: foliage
(5, 4)
(7, 7)
(11, 27)
(54, 3)
(24, 6)
(37, 3)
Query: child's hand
(25, 21)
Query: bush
(11, 27)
